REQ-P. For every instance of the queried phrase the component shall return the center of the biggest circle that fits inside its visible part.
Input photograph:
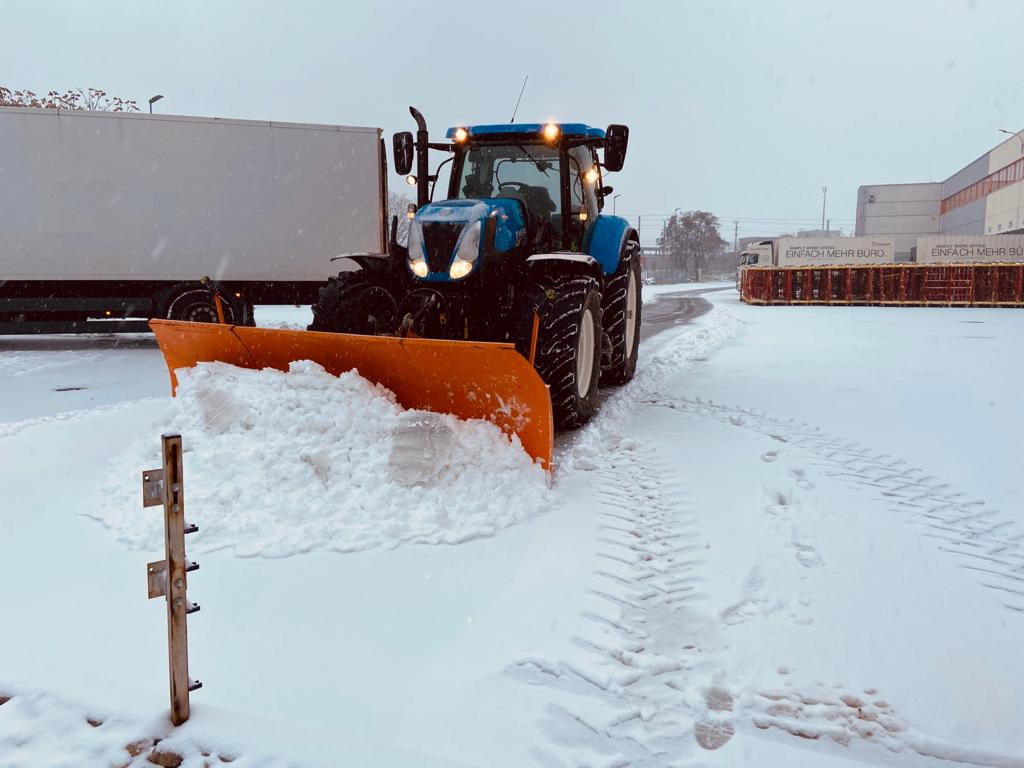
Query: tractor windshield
(530, 173)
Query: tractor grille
(439, 239)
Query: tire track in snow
(634, 690)
(634, 697)
(649, 687)
(984, 541)
(11, 428)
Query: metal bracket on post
(167, 578)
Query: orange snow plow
(473, 380)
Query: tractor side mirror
(403, 146)
(615, 140)
(605, 191)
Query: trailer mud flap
(473, 380)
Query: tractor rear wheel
(622, 316)
(568, 348)
(355, 302)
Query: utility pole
(735, 236)
(824, 196)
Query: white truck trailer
(113, 216)
(970, 249)
(818, 252)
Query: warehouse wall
(990, 201)
(966, 176)
(966, 220)
(903, 211)
(1004, 209)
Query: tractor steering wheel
(517, 184)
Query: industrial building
(983, 198)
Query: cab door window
(583, 193)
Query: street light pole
(686, 274)
(1017, 134)
(614, 198)
(153, 100)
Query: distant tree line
(76, 98)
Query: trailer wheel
(354, 302)
(623, 316)
(249, 314)
(568, 351)
(195, 305)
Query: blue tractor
(519, 251)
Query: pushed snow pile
(280, 463)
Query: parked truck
(815, 252)
(970, 249)
(818, 252)
(107, 219)
(949, 270)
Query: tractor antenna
(519, 99)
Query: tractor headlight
(467, 253)
(460, 268)
(417, 262)
(419, 267)
(469, 244)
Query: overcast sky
(745, 109)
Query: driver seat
(535, 200)
(508, 193)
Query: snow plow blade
(473, 380)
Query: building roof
(568, 129)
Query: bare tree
(690, 239)
(398, 205)
(76, 98)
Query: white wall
(903, 211)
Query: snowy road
(796, 538)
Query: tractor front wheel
(567, 354)
(355, 302)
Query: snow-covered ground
(796, 538)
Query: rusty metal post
(168, 578)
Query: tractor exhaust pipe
(422, 160)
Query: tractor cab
(541, 183)
(557, 188)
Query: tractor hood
(510, 225)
